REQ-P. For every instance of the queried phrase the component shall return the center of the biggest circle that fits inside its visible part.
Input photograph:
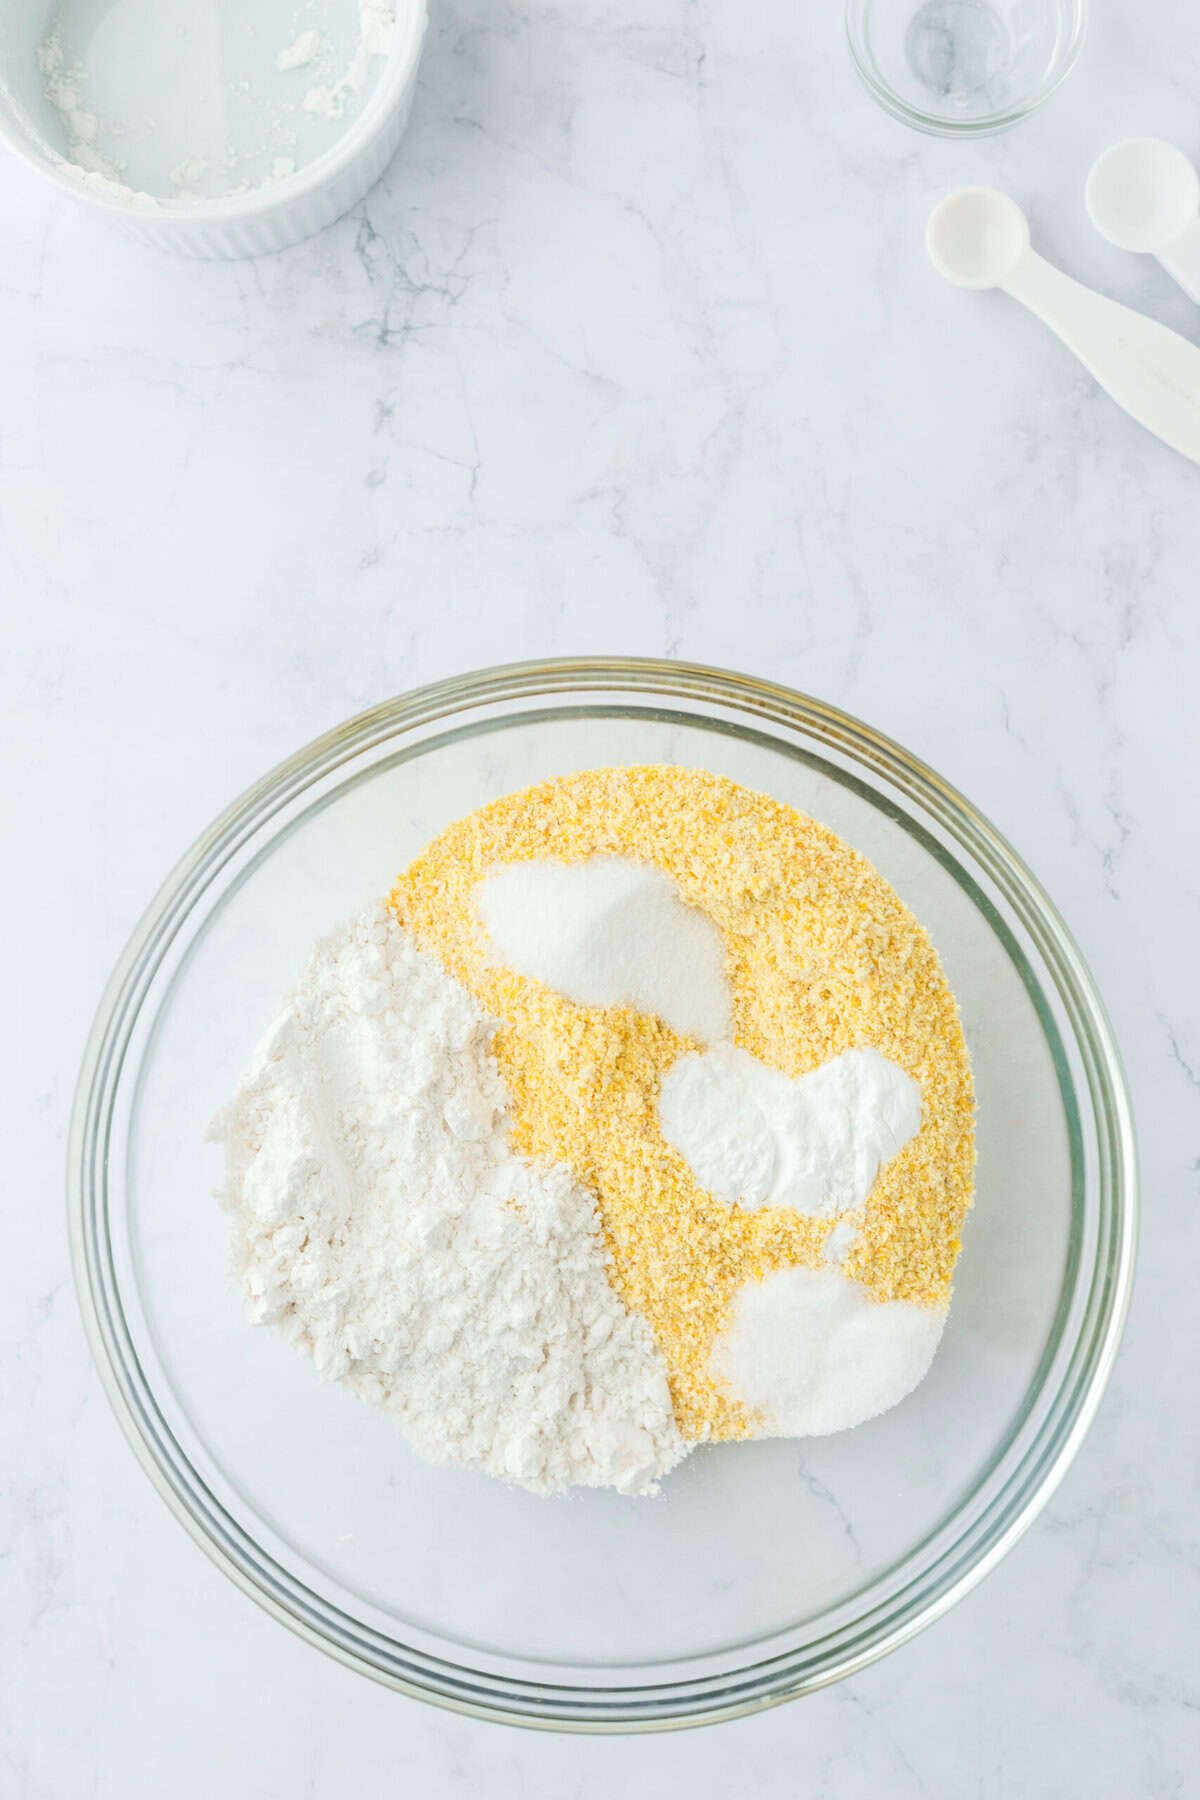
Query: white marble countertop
(635, 349)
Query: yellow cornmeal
(821, 958)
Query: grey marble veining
(635, 349)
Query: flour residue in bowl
(203, 103)
(376, 24)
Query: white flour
(376, 25)
(611, 932)
(381, 1222)
(65, 85)
(300, 52)
(188, 172)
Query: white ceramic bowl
(179, 80)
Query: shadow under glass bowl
(964, 68)
(765, 1570)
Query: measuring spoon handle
(1149, 370)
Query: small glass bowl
(964, 68)
(765, 1570)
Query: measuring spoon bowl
(1144, 195)
(976, 237)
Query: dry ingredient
(380, 1219)
(639, 1115)
(65, 83)
(610, 932)
(813, 1352)
(376, 23)
(807, 1350)
(303, 50)
(188, 172)
(822, 960)
(755, 1137)
(101, 169)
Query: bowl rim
(756, 1685)
(397, 77)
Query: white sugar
(814, 1352)
(611, 932)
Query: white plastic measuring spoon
(979, 238)
(1145, 195)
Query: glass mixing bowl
(964, 68)
(764, 1570)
